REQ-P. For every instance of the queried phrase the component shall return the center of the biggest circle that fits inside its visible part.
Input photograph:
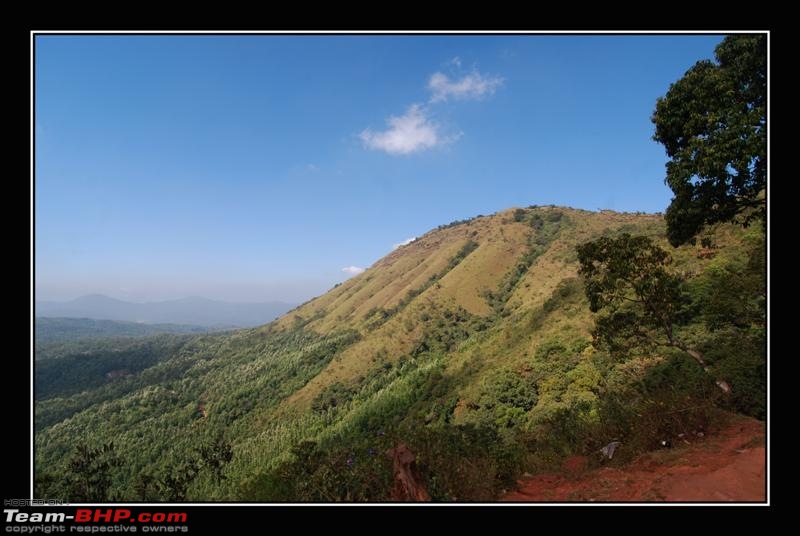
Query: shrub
(740, 358)
(355, 471)
(465, 462)
(508, 396)
(332, 396)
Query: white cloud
(472, 86)
(414, 131)
(312, 167)
(404, 242)
(352, 270)
(408, 133)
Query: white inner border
(410, 33)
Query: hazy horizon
(291, 293)
(270, 168)
(147, 301)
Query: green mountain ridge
(472, 344)
(55, 329)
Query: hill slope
(471, 344)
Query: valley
(472, 345)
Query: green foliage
(445, 329)
(731, 292)
(550, 348)
(49, 330)
(741, 357)
(566, 381)
(682, 377)
(154, 416)
(87, 475)
(354, 472)
(91, 468)
(672, 397)
(145, 487)
(465, 462)
(730, 296)
(174, 486)
(508, 396)
(712, 123)
(675, 396)
(642, 302)
(455, 463)
(509, 387)
(211, 457)
(644, 305)
(332, 396)
(215, 456)
(100, 362)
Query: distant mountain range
(195, 311)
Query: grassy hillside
(471, 344)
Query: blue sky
(253, 168)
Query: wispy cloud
(408, 133)
(472, 86)
(404, 242)
(352, 270)
(414, 131)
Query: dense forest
(48, 330)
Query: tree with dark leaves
(215, 456)
(641, 302)
(91, 473)
(713, 125)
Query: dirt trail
(727, 465)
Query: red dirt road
(727, 465)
